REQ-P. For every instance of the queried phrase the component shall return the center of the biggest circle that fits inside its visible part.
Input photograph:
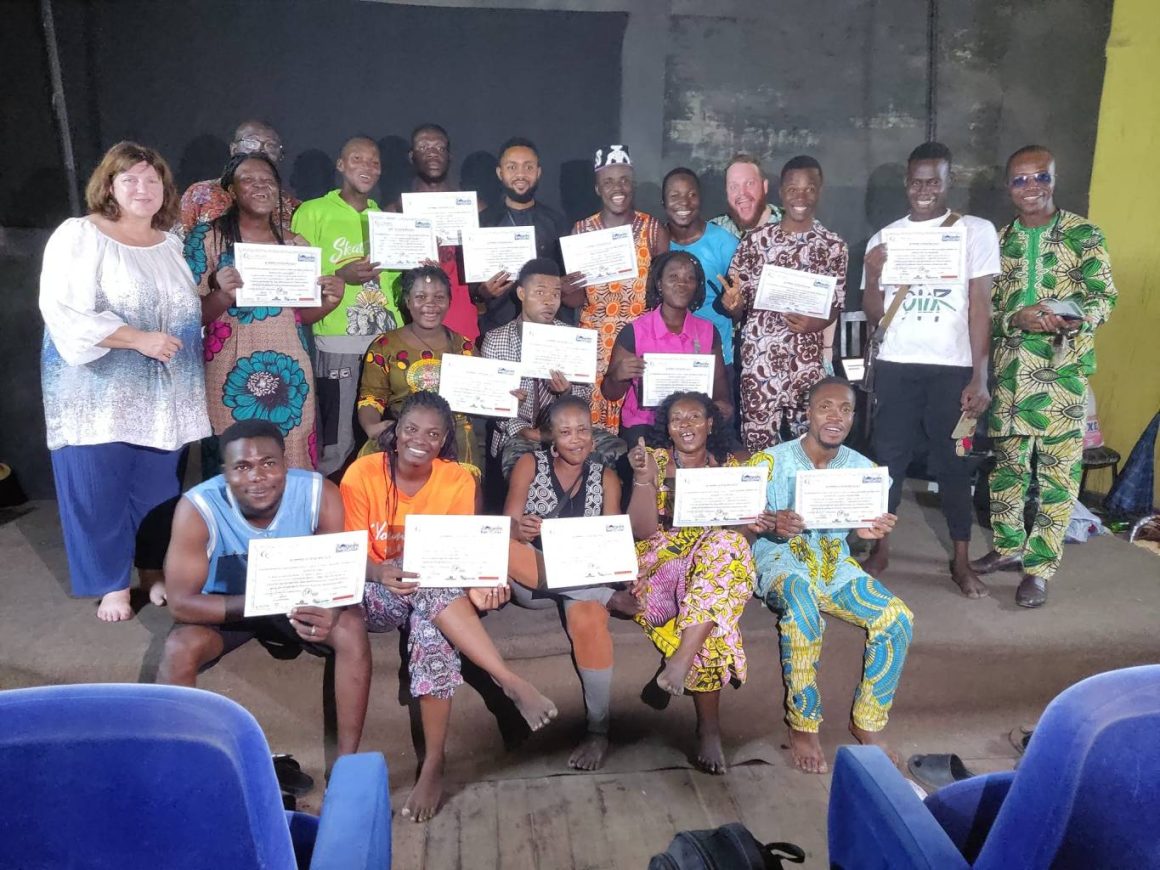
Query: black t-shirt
(549, 225)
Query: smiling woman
(120, 367)
(257, 362)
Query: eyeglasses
(249, 144)
(432, 148)
(1020, 181)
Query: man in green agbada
(1043, 355)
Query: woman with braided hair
(416, 472)
(257, 366)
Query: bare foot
(876, 563)
(114, 607)
(424, 800)
(968, 581)
(807, 753)
(672, 678)
(874, 738)
(710, 756)
(623, 603)
(537, 710)
(590, 752)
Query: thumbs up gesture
(644, 466)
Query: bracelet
(651, 483)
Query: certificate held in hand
(490, 250)
(313, 570)
(602, 256)
(841, 498)
(449, 551)
(400, 241)
(451, 211)
(478, 385)
(668, 373)
(564, 349)
(278, 276)
(792, 291)
(588, 551)
(925, 255)
(732, 496)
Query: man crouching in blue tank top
(256, 496)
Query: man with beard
(430, 157)
(1043, 357)
(710, 244)
(805, 572)
(781, 353)
(205, 201)
(746, 194)
(933, 363)
(337, 223)
(519, 172)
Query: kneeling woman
(693, 582)
(416, 473)
(565, 481)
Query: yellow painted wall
(1125, 203)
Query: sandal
(935, 771)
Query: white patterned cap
(616, 155)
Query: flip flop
(291, 779)
(1020, 737)
(936, 770)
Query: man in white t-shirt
(932, 366)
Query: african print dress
(610, 306)
(257, 366)
(691, 576)
(395, 366)
(778, 366)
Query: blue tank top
(230, 533)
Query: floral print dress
(257, 366)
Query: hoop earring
(552, 449)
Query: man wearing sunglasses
(932, 363)
(206, 200)
(1054, 289)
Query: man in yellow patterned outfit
(1054, 289)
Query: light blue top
(820, 554)
(715, 251)
(230, 533)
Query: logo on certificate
(491, 530)
(345, 548)
(521, 236)
(464, 200)
(752, 478)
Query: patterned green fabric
(1039, 390)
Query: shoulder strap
(904, 291)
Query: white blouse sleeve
(68, 293)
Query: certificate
(731, 496)
(487, 251)
(400, 241)
(456, 550)
(792, 291)
(451, 211)
(841, 498)
(668, 373)
(925, 255)
(315, 570)
(588, 551)
(279, 276)
(478, 385)
(601, 256)
(565, 349)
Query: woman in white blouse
(121, 367)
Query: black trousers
(920, 404)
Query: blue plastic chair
(1086, 795)
(132, 776)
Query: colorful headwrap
(617, 155)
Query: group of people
(146, 352)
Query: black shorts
(275, 633)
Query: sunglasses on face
(1020, 181)
(251, 144)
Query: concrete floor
(976, 670)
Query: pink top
(650, 335)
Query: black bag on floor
(729, 847)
